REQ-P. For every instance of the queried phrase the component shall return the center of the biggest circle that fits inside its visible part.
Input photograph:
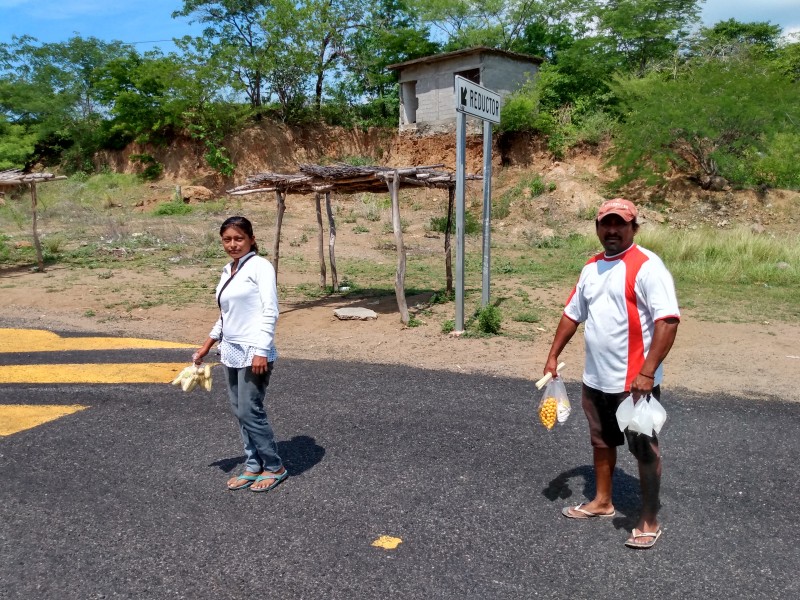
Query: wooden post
(36, 242)
(332, 242)
(280, 198)
(400, 277)
(448, 259)
(320, 243)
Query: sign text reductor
(477, 101)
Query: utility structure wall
(427, 93)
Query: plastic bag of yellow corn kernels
(554, 406)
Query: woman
(247, 296)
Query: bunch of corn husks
(192, 376)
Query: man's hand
(641, 386)
(259, 366)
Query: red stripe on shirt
(633, 263)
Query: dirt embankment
(581, 179)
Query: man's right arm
(564, 332)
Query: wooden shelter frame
(348, 179)
(14, 178)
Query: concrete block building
(427, 92)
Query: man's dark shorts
(601, 412)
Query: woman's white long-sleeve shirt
(248, 306)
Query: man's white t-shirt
(619, 299)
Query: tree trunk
(332, 242)
(320, 242)
(280, 198)
(400, 277)
(448, 259)
(36, 242)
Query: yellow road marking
(96, 373)
(37, 340)
(387, 542)
(18, 417)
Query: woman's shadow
(626, 492)
(298, 454)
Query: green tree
(51, 93)
(390, 34)
(641, 32)
(715, 119)
(235, 40)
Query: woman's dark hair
(242, 224)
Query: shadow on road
(627, 498)
(298, 454)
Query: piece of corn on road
(207, 384)
(207, 371)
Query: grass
(94, 224)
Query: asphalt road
(127, 498)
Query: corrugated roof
(466, 52)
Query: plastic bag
(554, 406)
(647, 416)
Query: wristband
(648, 376)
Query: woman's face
(236, 242)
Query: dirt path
(758, 361)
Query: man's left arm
(663, 338)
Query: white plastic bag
(647, 416)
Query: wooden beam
(400, 275)
(36, 242)
(280, 200)
(448, 259)
(320, 243)
(332, 242)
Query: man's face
(615, 234)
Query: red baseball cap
(618, 206)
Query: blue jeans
(247, 392)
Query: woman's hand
(259, 366)
(198, 356)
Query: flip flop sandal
(248, 481)
(274, 476)
(570, 511)
(632, 543)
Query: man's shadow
(298, 455)
(626, 493)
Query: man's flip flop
(247, 480)
(277, 479)
(632, 543)
(578, 512)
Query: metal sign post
(487, 211)
(461, 151)
(477, 101)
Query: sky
(149, 23)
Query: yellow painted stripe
(98, 373)
(37, 340)
(18, 417)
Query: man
(626, 298)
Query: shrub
(471, 224)
(169, 209)
(151, 170)
(489, 320)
